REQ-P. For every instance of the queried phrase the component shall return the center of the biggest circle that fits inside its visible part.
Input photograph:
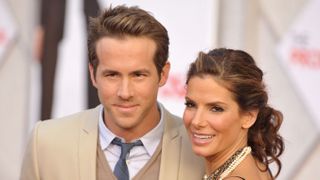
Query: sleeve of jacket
(30, 166)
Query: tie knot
(125, 147)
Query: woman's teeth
(202, 136)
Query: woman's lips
(202, 139)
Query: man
(128, 52)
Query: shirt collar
(150, 140)
(105, 135)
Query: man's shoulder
(177, 151)
(171, 116)
(173, 123)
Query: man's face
(127, 82)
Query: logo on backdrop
(175, 87)
(302, 55)
(299, 52)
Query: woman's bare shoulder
(249, 169)
(234, 178)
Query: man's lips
(126, 107)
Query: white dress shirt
(138, 155)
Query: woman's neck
(230, 164)
(217, 160)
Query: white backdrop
(8, 29)
(192, 27)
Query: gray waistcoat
(149, 172)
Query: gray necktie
(121, 168)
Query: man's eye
(111, 75)
(139, 75)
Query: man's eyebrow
(142, 71)
(108, 71)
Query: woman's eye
(189, 104)
(216, 109)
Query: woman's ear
(249, 119)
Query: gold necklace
(229, 165)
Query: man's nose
(124, 90)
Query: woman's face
(213, 119)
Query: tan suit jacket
(65, 149)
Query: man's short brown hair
(122, 21)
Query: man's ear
(164, 74)
(92, 75)
(249, 119)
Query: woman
(228, 117)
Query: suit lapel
(88, 139)
(171, 147)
